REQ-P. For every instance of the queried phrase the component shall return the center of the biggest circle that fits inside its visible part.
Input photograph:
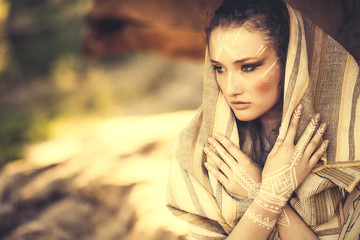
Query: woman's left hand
(236, 171)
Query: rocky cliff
(175, 28)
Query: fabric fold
(322, 76)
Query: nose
(234, 84)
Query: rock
(115, 190)
(175, 28)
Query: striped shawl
(322, 76)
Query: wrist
(270, 201)
(261, 216)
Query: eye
(248, 68)
(219, 69)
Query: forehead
(238, 42)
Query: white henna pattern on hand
(278, 185)
(304, 140)
(284, 219)
(246, 181)
(297, 113)
(257, 218)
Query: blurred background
(93, 94)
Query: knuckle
(318, 155)
(226, 141)
(216, 160)
(232, 148)
(312, 144)
(219, 149)
(248, 163)
(231, 187)
(216, 174)
(293, 124)
(286, 147)
(227, 156)
(220, 164)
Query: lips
(238, 105)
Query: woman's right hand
(288, 164)
(236, 171)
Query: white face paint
(261, 51)
(266, 75)
(224, 44)
(247, 71)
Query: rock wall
(175, 28)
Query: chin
(245, 117)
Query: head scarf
(322, 76)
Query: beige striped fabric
(322, 76)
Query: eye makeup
(218, 69)
(247, 68)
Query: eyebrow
(238, 61)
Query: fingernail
(212, 142)
(299, 107)
(298, 111)
(219, 136)
(322, 128)
(207, 165)
(207, 150)
(325, 144)
(316, 117)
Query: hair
(271, 18)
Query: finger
(308, 133)
(310, 148)
(217, 174)
(218, 162)
(232, 149)
(293, 125)
(317, 155)
(223, 153)
(276, 147)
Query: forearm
(295, 229)
(256, 223)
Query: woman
(264, 68)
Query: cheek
(268, 89)
(269, 83)
(262, 87)
(220, 84)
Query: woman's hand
(237, 174)
(288, 164)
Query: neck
(270, 121)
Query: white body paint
(257, 218)
(260, 51)
(278, 186)
(269, 69)
(246, 181)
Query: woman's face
(247, 69)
